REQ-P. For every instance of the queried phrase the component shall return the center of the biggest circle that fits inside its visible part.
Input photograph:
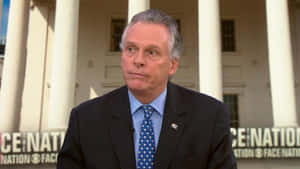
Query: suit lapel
(172, 128)
(122, 130)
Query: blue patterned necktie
(146, 142)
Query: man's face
(146, 62)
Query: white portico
(60, 53)
(65, 37)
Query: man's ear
(173, 67)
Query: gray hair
(156, 16)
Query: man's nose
(139, 59)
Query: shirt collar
(158, 103)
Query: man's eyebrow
(129, 43)
(152, 47)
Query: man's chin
(137, 87)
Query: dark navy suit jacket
(100, 133)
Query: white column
(210, 61)
(14, 66)
(136, 6)
(281, 67)
(63, 70)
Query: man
(150, 122)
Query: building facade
(61, 53)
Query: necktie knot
(148, 111)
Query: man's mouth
(136, 75)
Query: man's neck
(146, 97)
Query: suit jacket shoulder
(190, 100)
(105, 100)
(88, 141)
(206, 138)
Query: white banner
(32, 148)
(249, 143)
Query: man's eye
(152, 53)
(130, 50)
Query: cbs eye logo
(35, 158)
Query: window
(179, 25)
(231, 100)
(117, 28)
(3, 28)
(2, 46)
(228, 35)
